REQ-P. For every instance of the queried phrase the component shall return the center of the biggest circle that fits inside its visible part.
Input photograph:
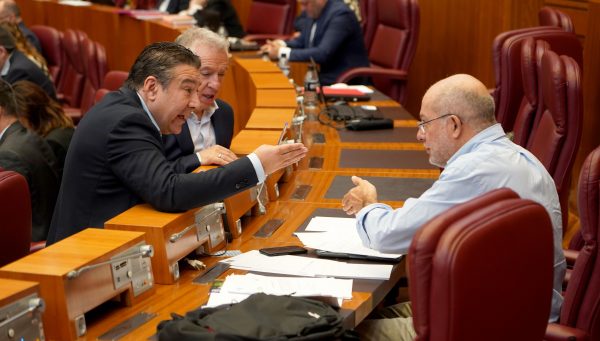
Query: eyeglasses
(421, 124)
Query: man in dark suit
(15, 66)
(116, 158)
(207, 133)
(10, 12)
(173, 6)
(331, 35)
(28, 154)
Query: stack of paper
(179, 20)
(237, 287)
(338, 235)
(307, 266)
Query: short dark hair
(158, 59)
(7, 98)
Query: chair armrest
(36, 246)
(571, 257)
(372, 71)
(558, 332)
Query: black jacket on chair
(116, 160)
(180, 148)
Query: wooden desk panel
(270, 118)
(186, 296)
(276, 98)
(271, 80)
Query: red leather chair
(95, 70)
(580, 313)
(393, 31)
(70, 87)
(549, 16)
(469, 280)
(531, 59)
(50, 39)
(270, 19)
(114, 79)
(15, 214)
(364, 13)
(557, 128)
(507, 65)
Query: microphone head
(147, 250)
(72, 274)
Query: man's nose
(420, 135)
(194, 101)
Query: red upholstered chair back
(393, 31)
(531, 59)
(469, 279)
(71, 81)
(549, 16)
(50, 39)
(581, 307)
(114, 79)
(557, 128)
(507, 65)
(95, 69)
(364, 13)
(271, 17)
(15, 214)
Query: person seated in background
(46, 117)
(173, 6)
(459, 132)
(10, 12)
(206, 135)
(302, 19)
(218, 16)
(116, 158)
(15, 66)
(28, 154)
(331, 36)
(23, 45)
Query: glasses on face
(421, 124)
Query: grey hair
(199, 36)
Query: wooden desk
(68, 293)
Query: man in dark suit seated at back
(15, 66)
(28, 154)
(207, 133)
(331, 35)
(116, 158)
(10, 12)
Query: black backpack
(259, 317)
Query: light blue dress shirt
(488, 161)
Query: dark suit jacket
(22, 67)
(176, 6)
(59, 140)
(28, 154)
(227, 15)
(116, 160)
(180, 148)
(338, 43)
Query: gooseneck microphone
(144, 251)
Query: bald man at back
(460, 134)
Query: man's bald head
(465, 96)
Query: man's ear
(151, 87)
(457, 126)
